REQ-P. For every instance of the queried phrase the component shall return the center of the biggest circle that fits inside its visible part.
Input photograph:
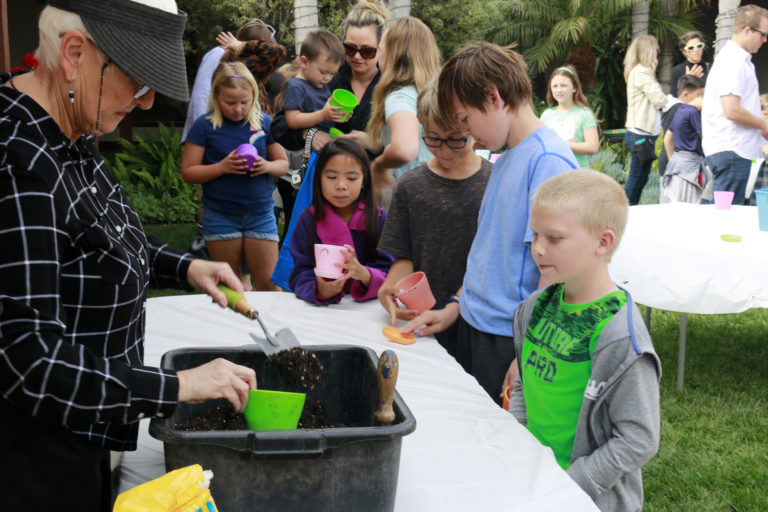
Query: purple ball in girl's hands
(249, 153)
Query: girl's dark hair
(693, 34)
(356, 152)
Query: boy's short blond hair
(594, 197)
(428, 110)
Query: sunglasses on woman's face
(366, 52)
(695, 47)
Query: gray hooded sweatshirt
(618, 428)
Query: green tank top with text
(557, 362)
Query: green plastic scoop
(273, 410)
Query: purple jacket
(303, 280)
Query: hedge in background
(150, 171)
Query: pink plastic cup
(723, 199)
(415, 292)
(325, 257)
(249, 153)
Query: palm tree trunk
(668, 47)
(399, 9)
(305, 19)
(727, 10)
(582, 59)
(641, 14)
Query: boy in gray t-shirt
(432, 218)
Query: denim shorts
(219, 226)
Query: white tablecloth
(466, 452)
(671, 257)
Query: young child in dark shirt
(306, 99)
(685, 176)
(433, 215)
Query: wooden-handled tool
(282, 340)
(237, 302)
(387, 376)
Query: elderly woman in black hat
(75, 263)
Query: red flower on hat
(30, 61)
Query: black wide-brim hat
(143, 41)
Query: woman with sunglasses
(76, 263)
(692, 47)
(360, 74)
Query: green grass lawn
(714, 437)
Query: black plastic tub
(351, 469)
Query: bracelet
(453, 298)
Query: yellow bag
(182, 490)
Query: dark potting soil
(299, 367)
(313, 416)
(221, 417)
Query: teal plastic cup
(761, 198)
(344, 99)
(273, 410)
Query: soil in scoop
(299, 367)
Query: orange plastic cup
(415, 292)
(505, 400)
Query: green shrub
(610, 162)
(150, 171)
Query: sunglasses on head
(366, 52)
(269, 27)
(695, 47)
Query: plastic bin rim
(162, 429)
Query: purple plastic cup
(248, 151)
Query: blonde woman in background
(393, 125)
(644, 102)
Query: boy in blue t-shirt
(588, 384)
(306, 100)
(686, 175)
(487, 90)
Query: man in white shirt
(733, 129)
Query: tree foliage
(555, 32)
(205, 19)
(456, 22)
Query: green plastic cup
(273, 410)
(345, 99)
(335, 132)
